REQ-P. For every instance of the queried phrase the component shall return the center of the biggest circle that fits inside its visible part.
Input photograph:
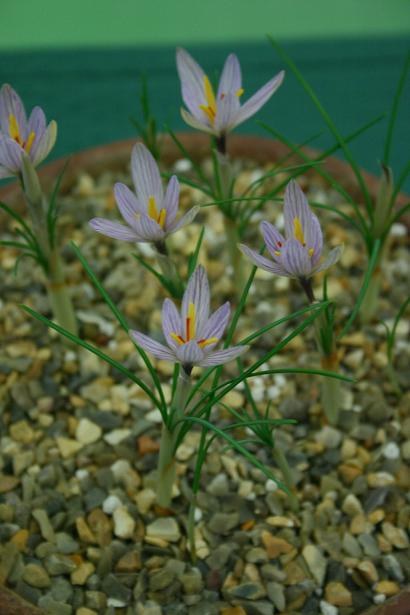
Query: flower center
(211, 108)
(153, 212)
(298, 234)
(190, 331)
(15, 134)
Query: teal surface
(93, 92)
(49, 23)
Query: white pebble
(379, 598)
(270, 486)
(197, 515)
(273, 392)
(81, 474)
(110, 504)
(154, 416)
(398, 230)
(120, 468)
(124, 524)
(391, 451)
(116, 436)
(183, 165)
(328, 609)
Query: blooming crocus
(20, 137)
(218, 113)
(298, 253)
(149, 213)
(192, 334)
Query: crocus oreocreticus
(149, 213)
(298, 253)
(192, 334)
(218, 114)
(20, 137)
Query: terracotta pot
(116, 156)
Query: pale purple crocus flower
(150, 213)
(218, 113)
(21, 137)
(298, 253)
(192, 334)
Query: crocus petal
(191, 76)
(128, 203)
(36, 123)
(315, 239)
(11, 104)
(10, 156)
(155, 348)
(171, 200)
(196, 122)
(330, 260)
(197, 292)
(114, 230)
(296, 260)
(296, 206)
(273, 239)
(145, 175)
(185, 219)
(216, 324)
(171, 322)
(218, 357)
(262, 262)
(231, 79)
(227, 111)
(190, 353)
(42, 146)
(259, 99)
(148, 228)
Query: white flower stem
(59, 295)
(169, 270)
(370, 303)
(166, 472)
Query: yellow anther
(209, 95)
(152, 208)
(177, 338)
(311, 250)
(161, 217)
(210, 340)
(29, 142)
(14, 128)
(298, 230)
(240, 92)
(276, 253)
(190, 323)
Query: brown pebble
(130, 562)
(147, 445)
(274, 546)
(20, 539)
(388, 588)
(348, 472)
(84, 531)
(337, 594)
(100, 526)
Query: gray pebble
(223, 523)
(53, 607)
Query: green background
(40, 23)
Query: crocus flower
(218, 114)
(192, 334)
(20, 137)
(298, 254)
(149, 213)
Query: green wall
(61, 23)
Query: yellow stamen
(209, 95)
(298, 230)
(276, 253)
(190, 323)
(240, 92)
(29, 142)
(161, 217)
(211, 340)
(311, 250)
(152, 208)
(14, 128)
(177, 338)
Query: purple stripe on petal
(10, 156)
(296, 260)
(155, 348)
(262, 262)
(113, 229)
(330, 260)
(227, 112)
(171, 200)
(257, 101)
(42, 146)
(145, 175)
(11, 104)
(191, 76)
(231, 79)
(148, 228)
(296, 206)
(218, 357)
(128, 204)
(36, 122)
(216, 324)
(273, 239)
(185, 219)
(197, 292)
(315, 239)
(171, 322)
(190, 353)
(199, 123)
